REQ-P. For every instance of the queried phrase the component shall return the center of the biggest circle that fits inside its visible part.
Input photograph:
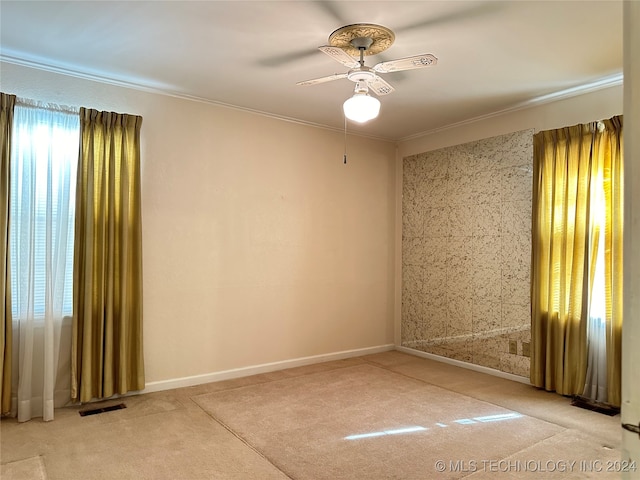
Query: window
(44, 160)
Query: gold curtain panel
(570, 166)
(7, 102)
(107, 353)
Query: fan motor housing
(363, 74)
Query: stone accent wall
(466, 252)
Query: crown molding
(603, 83)
(172, 93)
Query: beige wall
(259, 244)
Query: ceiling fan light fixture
(359, 40)
(361, 107)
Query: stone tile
(435, 282)
(411, 329)
(495, 343)
(516, 290)
(434, 327)
(516, 364)
(461, 190)
(441, 350)
(463, 160)
(434, 251)
(461, 220)
(487, 284)
(485, 359)
(412, 223)
(433, 193)
(413, 251)
(461, 349)
(435, 164)
(460, 252)
(516, 256)
(516, 183)
(487, 187)
(412, 279)
(487, 219)
(411, 172)
(459, 315)
(523, 335)
(488, 156)
(459, 325)
(413, 307)
(436, 221)
(515, 316)
(411, 197)
(516, 218)
(435, 301)
(459, 281)
(487, 252)
(516, 148)
(487, 316)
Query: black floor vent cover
(96, 411)
(589, 404)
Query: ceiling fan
(360, 40)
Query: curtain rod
(27, 102)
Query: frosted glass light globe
(361, 108)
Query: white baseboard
(460, 363)
(257, 369)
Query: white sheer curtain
(44, 157)
(596, 380)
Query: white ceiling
(492, 56)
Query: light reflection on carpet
(463, 421)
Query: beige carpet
(27, 469)
(303, 425)
(293, 423)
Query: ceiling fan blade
(478, 10)
(380, 86)
(408, 63)
(330, 8)
(340, 56)
(280, 60)
(329, 78)
(397, 76)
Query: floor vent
(592, 405)
(96, 411)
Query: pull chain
(345, 140)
